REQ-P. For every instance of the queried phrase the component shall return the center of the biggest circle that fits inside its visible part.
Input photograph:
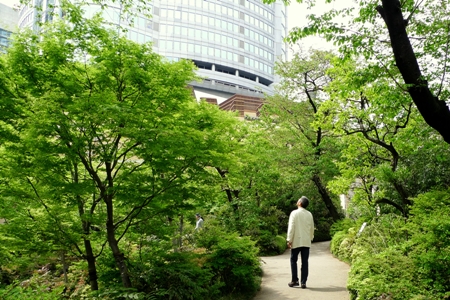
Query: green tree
(380, 129)
(409, 37)
(308, 149)
(111, 137)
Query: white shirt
(199, 223)
(301, 228)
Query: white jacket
(301, 228)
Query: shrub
(179, 276)
(344, 225)
(281, 244)
(430, 241)
(386, 275)
(268, 244)
(233, 260)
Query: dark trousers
(304, 255)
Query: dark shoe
(293, 283)
(303, 285)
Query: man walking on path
(327, 280)
(299, 236)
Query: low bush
(268, 244)
(233, 260)
(179, 276)
(386, 275)
(429, 245)
(281, 244)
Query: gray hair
(304, 201)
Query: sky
(9, 2)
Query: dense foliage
(106, 156)
(397, 258)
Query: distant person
(199, 223)
(299, 236)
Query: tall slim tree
(295, 109)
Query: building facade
(8, 24)
(234, 43)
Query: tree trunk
(434, 111)
(326, 197)
(119, 257)
(89, 256)
(92, 269)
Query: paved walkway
(327, 277)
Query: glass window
(192, 17)
(204, 50)
(169, 30)
(198, 34)
(163, 13)
(162, 44)
(211, 21)
(184, 31)
(191, 48)
(170, 14)
(217, 38)
(176, 46)
(141, 38)
(183, 47)
(184, 16)
(141, 22)
(211, 36)
(177, 30)
(169, 45)
(223, 39)
(197, 49)
(205, 20)
(204, 35)
(191, 32)
(223, 54)
(211, 51)
(217, 53)
(177, 14)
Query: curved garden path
(326, 281)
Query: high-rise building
(8, 24)
(234, 43)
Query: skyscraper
(8, 23)
(234, 43)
